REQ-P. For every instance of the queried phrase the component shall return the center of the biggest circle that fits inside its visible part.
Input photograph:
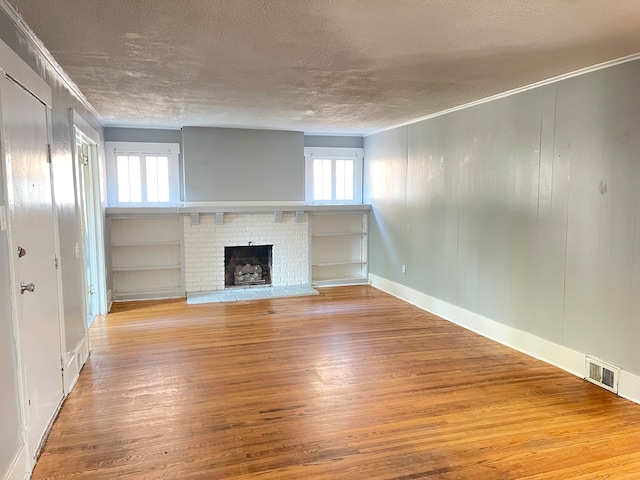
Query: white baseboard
(20, 469)
(629, 386)
(73, 365)
(532, 345)
(109, 300)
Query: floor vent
(602, 374)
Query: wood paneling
(523, 210)
(385, 187)
(351, 384)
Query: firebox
(247, 266)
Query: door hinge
(84, 155)
(48, 153)
(56, 261)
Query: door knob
(27, 287)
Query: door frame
(80, 128)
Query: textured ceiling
(319, 66)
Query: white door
(33, 253)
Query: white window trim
(333, 153)
(172, 150)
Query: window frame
(333, 154)
(142, 149)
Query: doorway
(87, 221)
(90, 219)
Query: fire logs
(248, 275)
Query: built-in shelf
(147, 248)
(146, 256)
(150, 293)
(339, 247)
(348, 262)
(341, 281)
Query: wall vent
(602, 374)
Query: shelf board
(171, 288)
(331, 264)
(147, 267)
(145, 244)
(148, 294)
(338, 234)
(340, 281)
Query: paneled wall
(63, 171)
(523, 210)
(71, 266)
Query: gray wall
(71, 267)
(229, 164)
(204, 145)
(153, 135)
(333, 141)
(523, 210)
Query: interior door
(33, 256)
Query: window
(142, 174)
(333, 175)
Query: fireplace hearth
(248, 266)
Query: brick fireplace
(205, 242)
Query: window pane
(122, 168)
(157, 173)
(128, 172)
(344, 179)
(321, 179)
(163, 179)
(135, 182)
(152, 179)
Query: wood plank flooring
(350, 384)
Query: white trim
(527, 343)
(629, 386)
(19, 469)
(249, 203)
(334, 134)
(21, 73)
(84, 127)
(333, 153)
(92, 138)
(557, 355)
(75, 362)
(508, 93)
(142, 147)
(109, 300)
(171, 150)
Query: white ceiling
(318, 66)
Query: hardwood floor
(350, 384)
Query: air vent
(602, 374)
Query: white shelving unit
(146, 257)
(339, 247)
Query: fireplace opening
(247, 266)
